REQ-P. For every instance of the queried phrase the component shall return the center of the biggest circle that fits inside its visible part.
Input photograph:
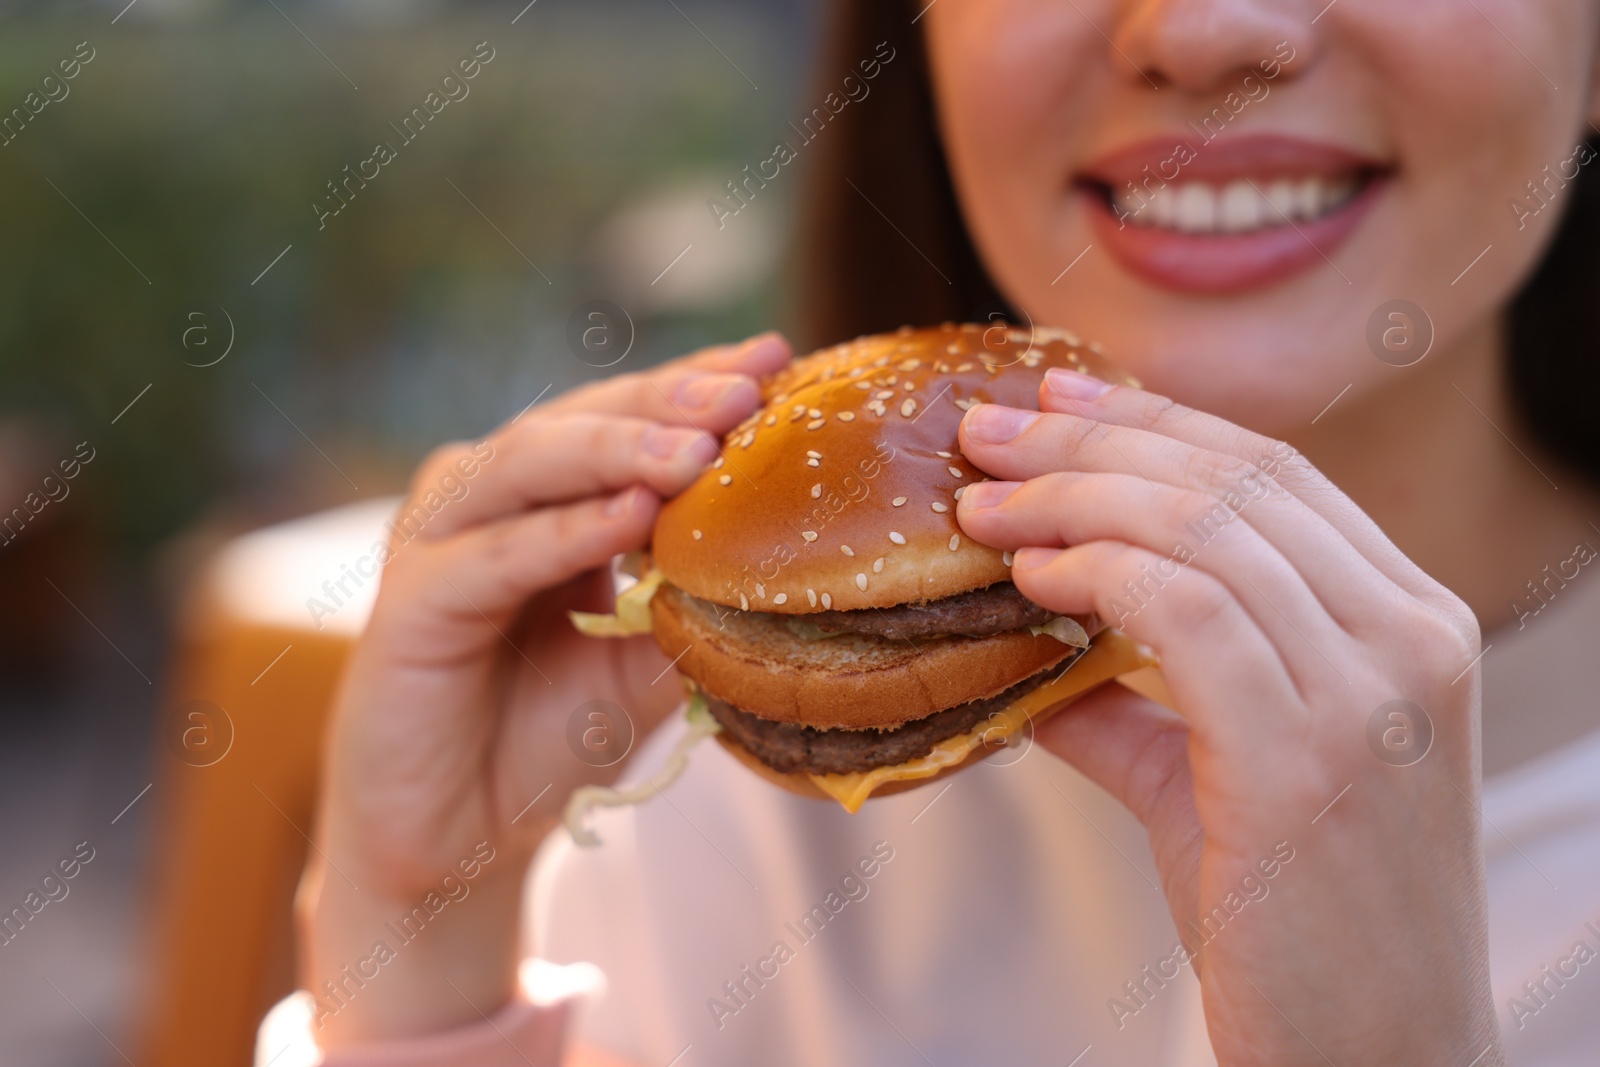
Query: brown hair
(884, 244)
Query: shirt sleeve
(531, 1030)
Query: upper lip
(1227, 158)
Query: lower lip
(1232, 262)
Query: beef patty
(788, 747)
(978, 613)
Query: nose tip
(1200, 46)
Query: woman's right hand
(450, 728)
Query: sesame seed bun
(840, 492)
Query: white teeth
(1280, 194)
(1197, 208)
(1164, 209)
(1241, 206)
(1308, 197)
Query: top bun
(840, 492)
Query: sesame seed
(910, 365)
(1006, 558)
(962, 368)
(908, 407)
(772, 420)
(809, 535)
(719, 462)
(955, 472)
(965, 404)
(797, 415)
(827, 601)
(861, 582)
(698, 535)
(815, 424)
(897, 501)
(813, 453)
(847, 550)
(726, 479)
(816, 491)
(744, 602)
(908, 386)
(811, 595)
(955, 542)
(884, 394)
(897, 537)
(815, 413)
(781, 598)
(877, 565)
(959, 490)
(863, 385)
(813, 462)
(940, 508)
(847, 416)
(942, 455)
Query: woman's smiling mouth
(1227, 216)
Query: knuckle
(1202, 601)
(437, 463)
(1218, 472)
(1073, 435)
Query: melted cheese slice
(1113, 653)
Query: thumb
(1138, 751)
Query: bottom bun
(800, 783)
(1113, 654)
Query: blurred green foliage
(197, 148)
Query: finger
(1216, 660)
(556, 459)
(1184, 527)
(1068, 391)
(475, 584)
(1015, 445)
(1137, 751)
(712, 389)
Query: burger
(814, 587)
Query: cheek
(1012, 79)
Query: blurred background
(188, 328)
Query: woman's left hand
(1286, 624)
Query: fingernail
(987, 494)
(623, 503)
(1027, 559)
(708, 390)
(668, 442)
(996, 424)
(1075, 385)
